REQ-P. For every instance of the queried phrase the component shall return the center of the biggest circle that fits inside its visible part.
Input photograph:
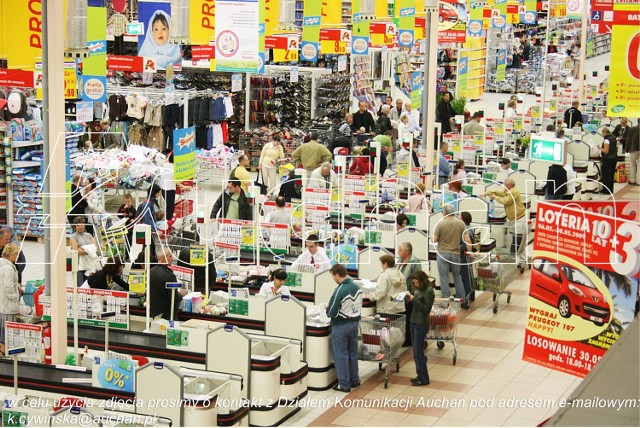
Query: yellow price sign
(285, 55)
(328, 47)
(403, 169)
(70, 83)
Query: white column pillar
(429, 99)
(583, 50)
(55, 202)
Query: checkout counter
(47, 391)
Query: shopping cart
(443, 323)
(494, 272)
(380, 339)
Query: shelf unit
(475, 50)
(26, 190)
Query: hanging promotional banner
(420, 31)
(93, 88)
(501, 67)
(574, 9)
(25, 18)
(382, 34)
(331, 12)
(582, 293)
(360, 30)
(237, 35)
(416, 90)
(406, 21)
(156, 17)
(96, 63)
(452, 25)
(312, 11)
(202, 19)
(334, 40)
(283, 46)
(184, 153)
(624, 79)
(463, 72)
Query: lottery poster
(582, 293)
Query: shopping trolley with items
(443, 323)
(380, 338)
(494, 272)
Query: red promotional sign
(125, 63)
(626, 17)
(277, 42)
(625, 210)
(202, 52)
(584, 282)
(332, 34)
(16, 78)
(452, 36)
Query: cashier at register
(276, 287)
(314, 256)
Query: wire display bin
(494, 273)
(380, 338)
(443, 323)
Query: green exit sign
(547, 149)
(135, 29)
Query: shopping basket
(380, 338)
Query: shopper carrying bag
(260, 183)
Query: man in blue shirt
(444, 169)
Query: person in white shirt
(510, 112)
(279, 215)
(276, 287)
(403, 126)
(313, 256)
(389, 283)
(506, 165)
(323, 177)
(571, 183)
(413, 124)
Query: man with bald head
(323, 177)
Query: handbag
(260, 183)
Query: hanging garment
(156, 139)
(153, 114)
(135, 106)
(117, 107)
(137, 134)
(228, 104)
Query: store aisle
(490, 100)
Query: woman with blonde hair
(10, 291)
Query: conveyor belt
(49, 379)
(132, 343)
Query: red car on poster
(569, 290)
(447, 13)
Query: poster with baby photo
(154, 43)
